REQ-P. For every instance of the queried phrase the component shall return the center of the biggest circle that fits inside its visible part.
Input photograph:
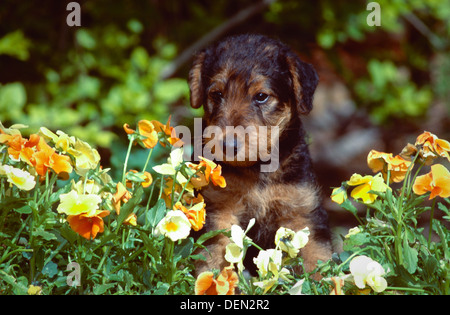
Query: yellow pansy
(339, 195)
(437, 182)
(175, 225)
(86, 158)
(34, 290)
(291, 242)
(367, 271)
(19, 178)
(367, 183)
(73, 203)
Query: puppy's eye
(261, 98)
(216, 96)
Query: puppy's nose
(230, 148)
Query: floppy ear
(195, 81)
(304, 83)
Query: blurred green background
(380, 85)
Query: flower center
(171, 227)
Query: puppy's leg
(319, 243)
(215, 247)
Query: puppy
(258, 84)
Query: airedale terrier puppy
(253, 81)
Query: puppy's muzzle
(230, 147)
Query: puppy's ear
(195, 81)
(304, 83)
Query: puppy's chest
(252, 197)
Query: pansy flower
(234, 252)
(19, 178)
(225, 283)
(196, 213)
(46, 157)
(169, 133)
(213, 172)
(339, 195)
(437, 182)
(367, 271)
(365, 184)
(433, 146)
(73, 203)
(88, 226)
(175, 225)
(121, 195)
(291, 242)
(145, 178)
(384, 162)
(86, 157)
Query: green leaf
(24, 210)
(44, 234)
(157, 213)
(85, 39)
(185, 248)
(162, 288)
(356, 241)
(430, 266)
(410, 257)
(347, 205)
(13, 98)
(128, 207)
(16, 45)
(68, 234)
(50, 269)
(150, 246)
(206, 236)
(102, 288)
(20, 286)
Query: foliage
(390, 231)
(99, 93)
(61, 209)
(115, 232)
(108, 71)
(90, 81)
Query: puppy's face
(250, 87)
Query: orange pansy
(147, 129)
(195, 214)
(431, 144)
(225, 283)
(122, 194)
(131, 219)
(169, 132)
(127, 129)
(384, 162)
(17, 145)
(88, 226)
(213, 171)
(46, 157)
(437, 182)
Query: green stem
(169, 260)
(31, 242)
(125, 164)
(148, 159)
(102, 261)
(184, 187)
(161, 187)
(19, 250)
(137, 253)
(431, 222)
